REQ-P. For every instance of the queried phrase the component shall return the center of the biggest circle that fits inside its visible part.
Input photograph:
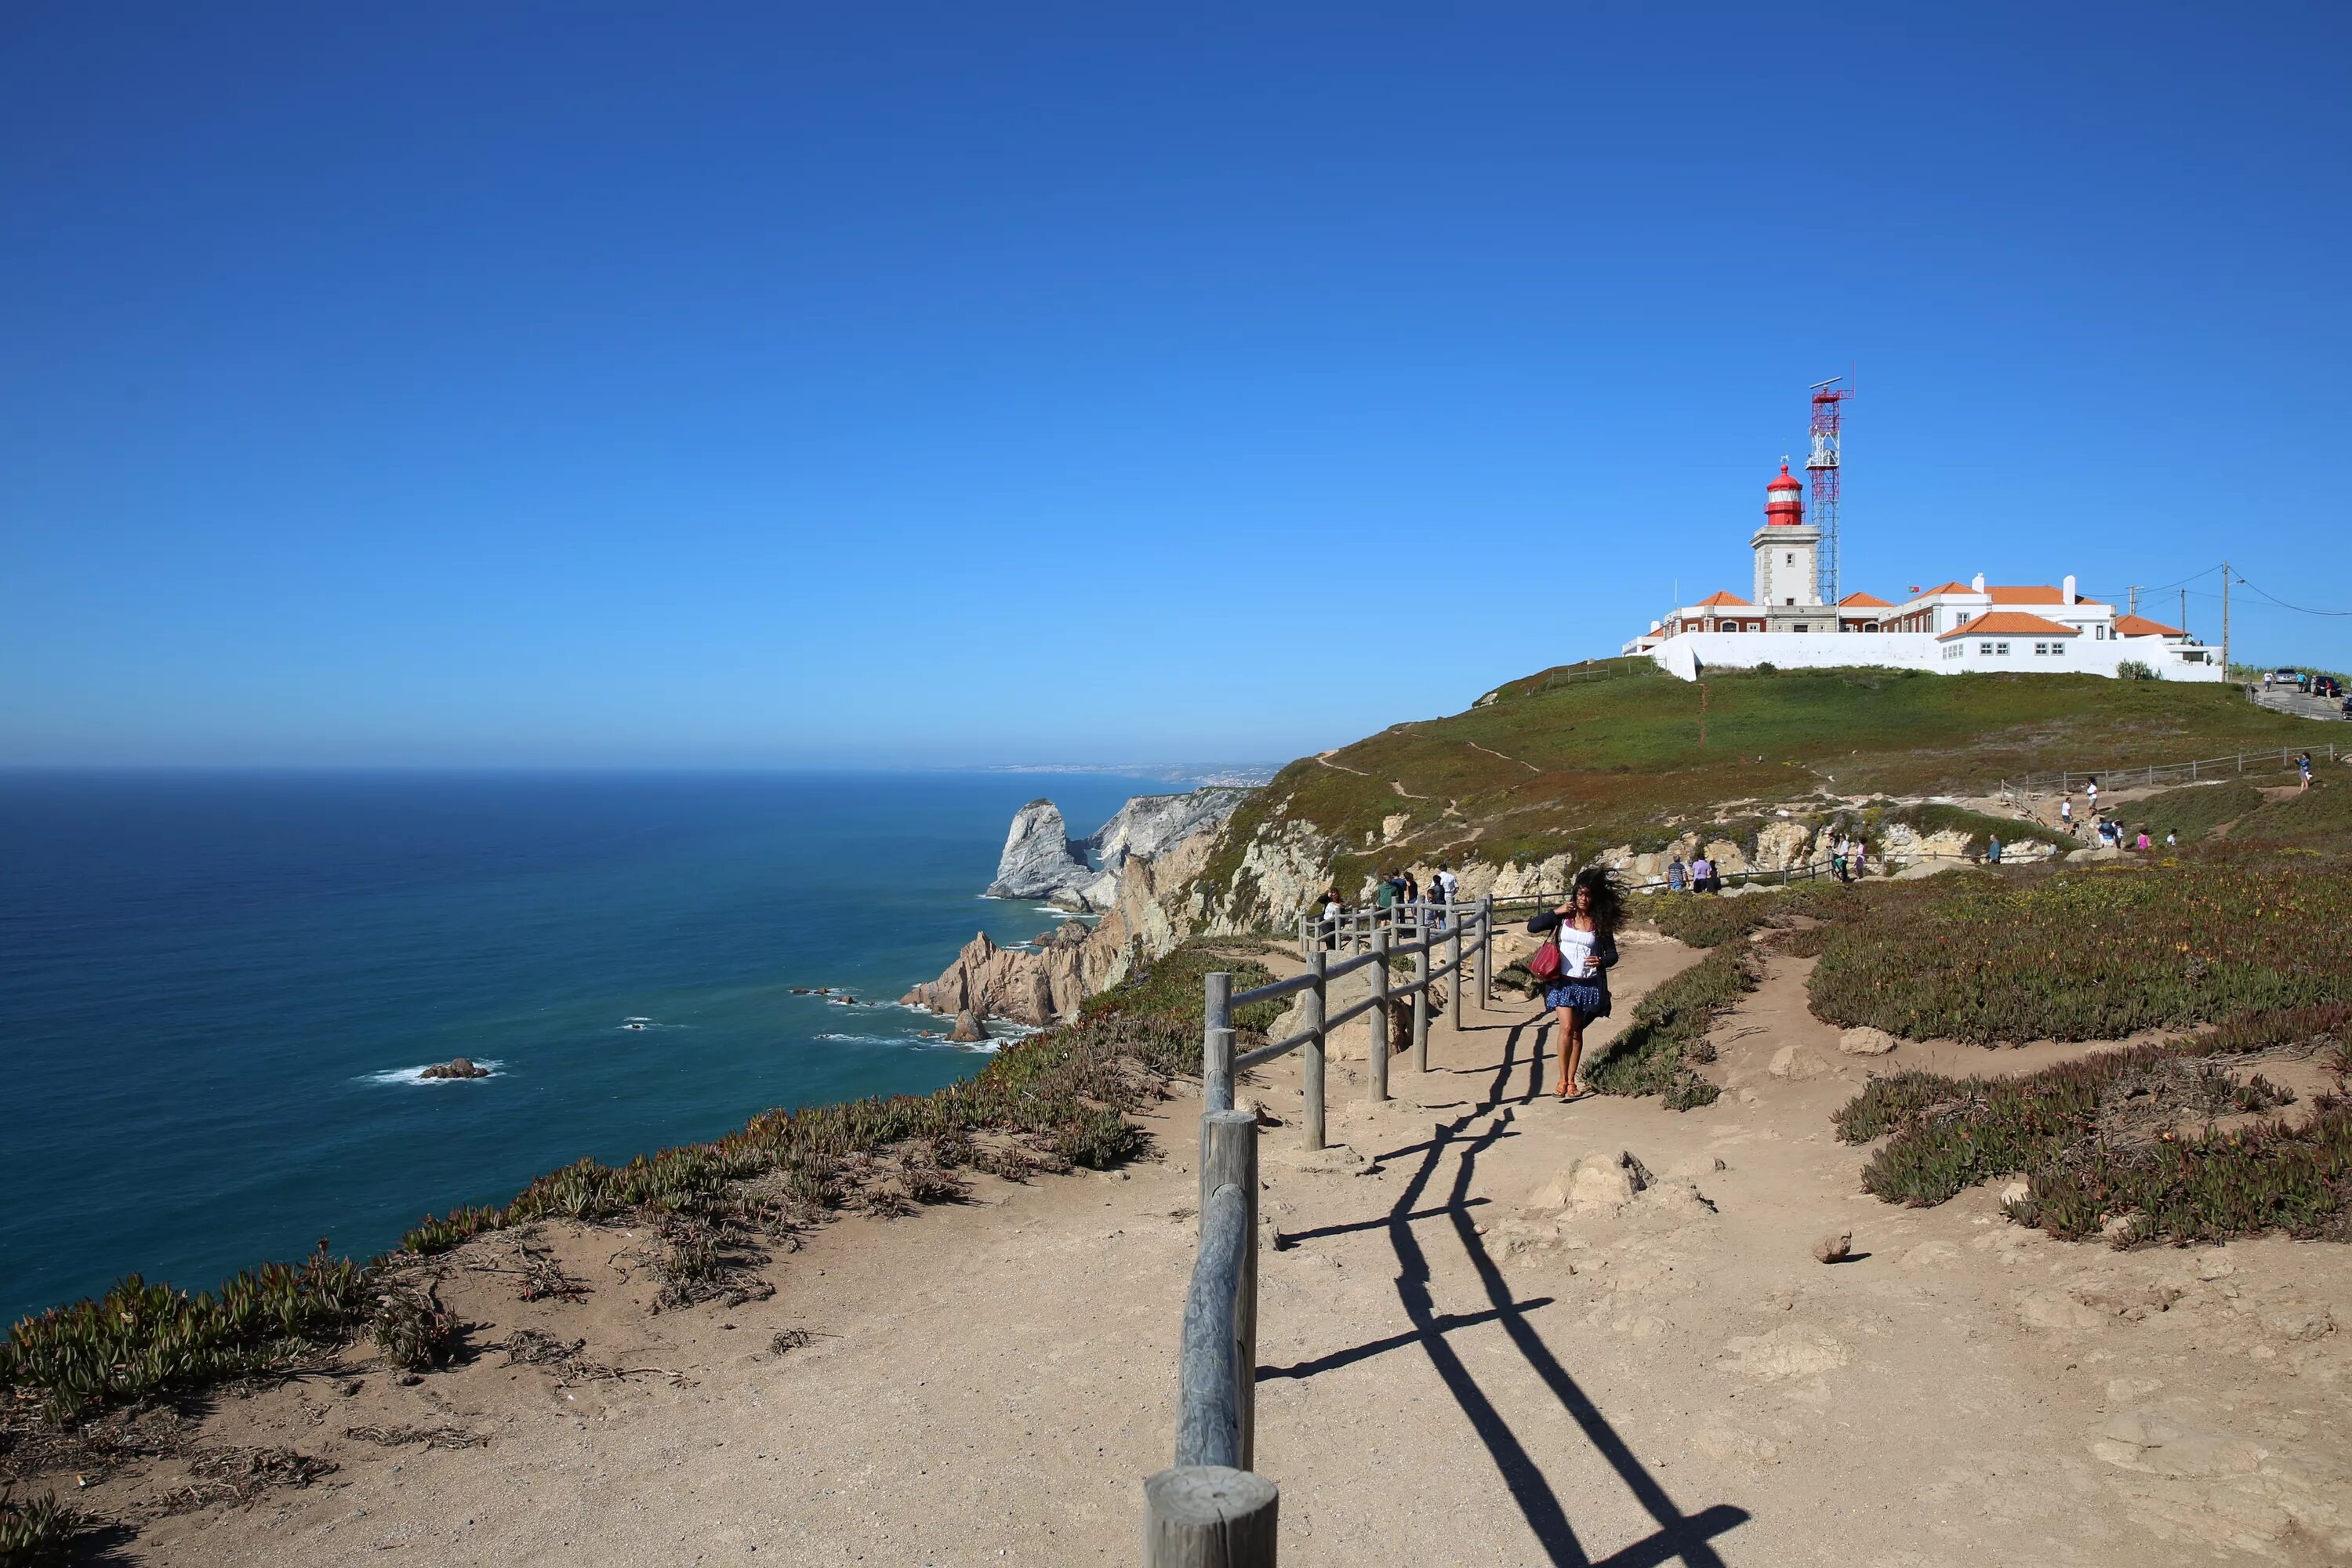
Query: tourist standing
(1860, 859)
(1332, 910)
(2066, 812)
(1676, 876)
(1992, 850)
(1585, 926)
(2092, 790)
(2304, 764)
(1839, 850)
(1702, 874)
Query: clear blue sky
(755, 384)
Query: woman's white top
(1576, 954)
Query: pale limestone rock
(1595, 1182)
(2156, 1442)
(1833, 1248)
(1792, 1350)
(1864, 1041)
(1039, 859)
(2055, 1310)
(2015, 1192)
(1799, 1063)
(1782, 845)
(969, 1029)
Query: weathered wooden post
(1378, 1061)
(1310, 1072)
(1456, 982)
(1229, 1158)
(1306, 936)
(1208, 1516)
(1217, 1043)
(1421, 995)
(1486, 950)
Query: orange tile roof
(2033, 594)
(1722, 596)
(1947, 588)
(2141, 626)
(1864, 601)
(2011, 623)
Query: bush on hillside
(1668, 1032)
(2085, 954)
(2135, 670)
(2194, 811)
(2103, 1138)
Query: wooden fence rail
(1211, 1506)
(2146, 775)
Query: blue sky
(753, 384)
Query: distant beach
(224, 987)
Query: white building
(1955, 629)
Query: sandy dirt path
(1450, 1372)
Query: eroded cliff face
(1041, 860)
(1045, 984)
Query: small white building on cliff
(1955, 629)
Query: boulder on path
(457, 1067)
(1798, 1063)
(1597, 1181)
(968, 1028)
(1865, 1041)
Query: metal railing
(2197, 770)
(1211, 1506)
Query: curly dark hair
(1608, 899)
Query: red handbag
(1545, 964)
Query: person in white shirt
(1586, 932)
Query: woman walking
(1585, 930)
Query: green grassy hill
(1581, 758)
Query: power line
(2298, 609)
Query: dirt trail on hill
(1452, 1371)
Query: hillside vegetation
(1577, 759)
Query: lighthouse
(1786, 549)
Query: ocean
(221, 988)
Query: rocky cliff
(1045, 982)
(1041, 860)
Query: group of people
(1698, 877)
(1394, 889)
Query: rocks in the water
(1835, 1248)
(1864, 1041)
(1040, 858)
(968, 1028)
(459, 1066)
(1798, 1063)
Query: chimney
(1976, 582)
(2066, 588)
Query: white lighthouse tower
(1787, 552)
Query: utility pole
(2225, 620)
(2184, 613)
(2133, 608)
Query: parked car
(2326, 686)
(2348, 707)
(2283, 676)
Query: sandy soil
(1451, 1372)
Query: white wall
(1686, 654)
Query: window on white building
(1789, 558)
(1803, 627)
(1984, 650)
(2000, 650)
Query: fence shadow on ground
(1679, 1536)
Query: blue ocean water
(219, 987)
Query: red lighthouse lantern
(1784, 500)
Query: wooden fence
(1211, 1507)
(2200, 770)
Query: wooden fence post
(1217, 1043)
(1229, 1158)
(1310, 1071)
(1454, 984)
(1420, 998)
(1206, 1516)
(1378, 1061)
(1486, 950)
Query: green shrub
(37, 1532)
(2135, 670)
(2093, 954)
(2098, 1139)
(2193, 811)
(1668, 1032)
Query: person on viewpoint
(1702, 874)
(1585, 930)
(1676, 873)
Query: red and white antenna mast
(1821, 467)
